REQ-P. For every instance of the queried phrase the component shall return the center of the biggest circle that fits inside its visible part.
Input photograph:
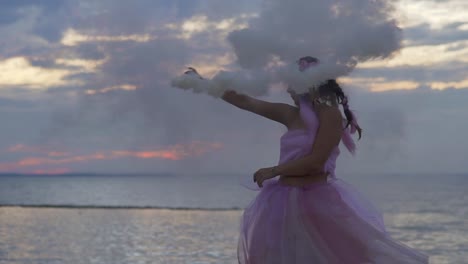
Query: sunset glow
(55, 158)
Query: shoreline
(119, 207)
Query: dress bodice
(298, 143)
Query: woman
(308, 215)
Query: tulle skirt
(327, 223)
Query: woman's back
(297, 142)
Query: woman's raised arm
(278, 112)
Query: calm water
(429, 213)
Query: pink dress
(327, 223)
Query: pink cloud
(56, 158)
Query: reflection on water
(444, 237)
(47, 235)
(114, 236)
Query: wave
(75, 206)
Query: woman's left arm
(327, 138)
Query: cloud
(217, 10)
(294, 29)
(444, 72)
(32, 27)
(424, 34)
(72, 38)
(451, 74)
(282, 32)
(95, 75)
(18, 71)
(11, 10)
(200, 24)
(436, 13)
(37, 150)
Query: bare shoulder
(329, 113)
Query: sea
(171, 218)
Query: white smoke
(340, 33)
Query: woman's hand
(193, 71)
(264, 174)
(229, 95)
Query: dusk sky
(85, 87)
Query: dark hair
(331, 87)
(308, 59)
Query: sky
(85, 86)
